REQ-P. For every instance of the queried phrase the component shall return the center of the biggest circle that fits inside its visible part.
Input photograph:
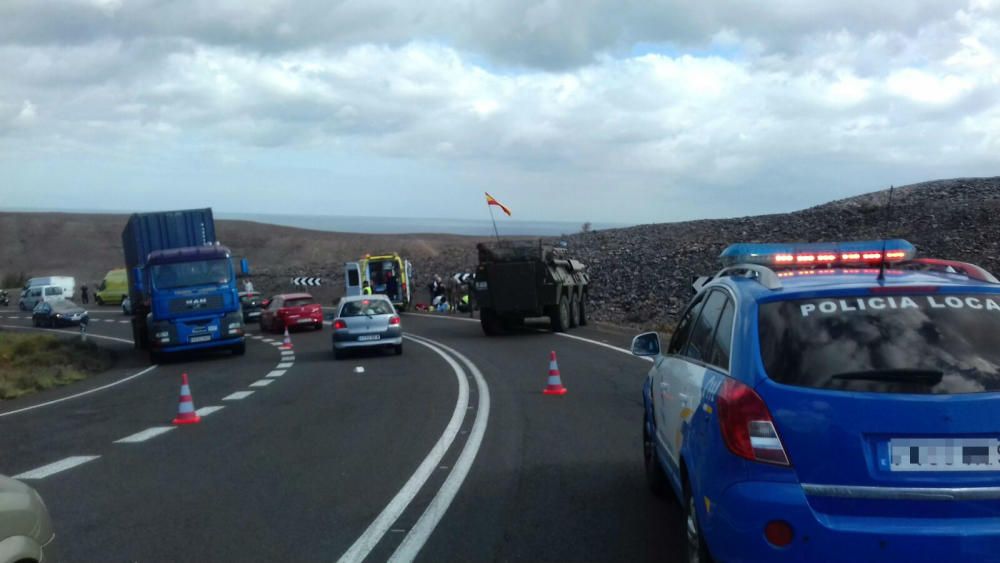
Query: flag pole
(494, 219)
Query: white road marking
(76, 332)
(277, 344)
(124, 322)
(384, 521)
(13, 317)
(284, 365)
(205, 411)
(53, 468)
(276, 373)
(421, 531)
(359, 369)
(262, 383)
(238, 396)
(267, 339)
(145, 435)
(603, 345)
(88, 392)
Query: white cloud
(524, 95)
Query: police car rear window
(927, 344)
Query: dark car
(59, 313)
(251, 303)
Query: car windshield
(940, 344)
(299, 302)
(64, 305)
(366, 308)
(188, 274)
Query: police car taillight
(777, 255)
(746, 425)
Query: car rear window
(299, 302)
(365, 308)
(931, 343)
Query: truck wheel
(490, 323)
(240, 349)
(574, 311)
(560, 317)
(155, 357)
(583, 310)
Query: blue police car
(831, 402)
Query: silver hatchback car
(366, 321)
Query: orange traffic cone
(185, 411)
(287, 344)
(555, 386)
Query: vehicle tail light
(747, 426)
(339, 325)
(393, 321)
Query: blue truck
(182, 284)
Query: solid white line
(603, 345)
(237, 396)
(53, 468)
(88, 392)
(262, 383)
(205, 411)
(373, 535)
(422, 530)
(276, 373)
(284, 365)
(60, 331)
(145, 435)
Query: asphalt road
(449, 452)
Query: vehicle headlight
(233, 326)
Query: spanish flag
(491, 201)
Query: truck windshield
(939, 344)
(187, 274)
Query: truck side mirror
(245, 266)
(137, 276)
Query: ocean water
(396, 225)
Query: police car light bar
(777, 255)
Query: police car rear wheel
(697, 551)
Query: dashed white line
(13, 317)
(124, 322)
(145, 435)
(262, 383)
(238, 396)
(267, 339)
(205, 411)
(276, 373)
(287, 353)
(53, 468)
(276, 344)
(284, 365)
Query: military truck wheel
(583, 310)
(574, 311)
(560, 317)
(490, 322)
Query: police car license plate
(944, 454)
(204, 338)
(365, 337)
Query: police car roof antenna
(888, 216)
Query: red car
(290, 310)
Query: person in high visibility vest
(365, 288)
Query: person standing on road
(365, 288)
(83, 294)
(391, 287)
(248, 286)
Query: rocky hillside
(642, 275)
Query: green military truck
(516, 280)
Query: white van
(67, 283)
(39, 293)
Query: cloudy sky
(617, 110)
